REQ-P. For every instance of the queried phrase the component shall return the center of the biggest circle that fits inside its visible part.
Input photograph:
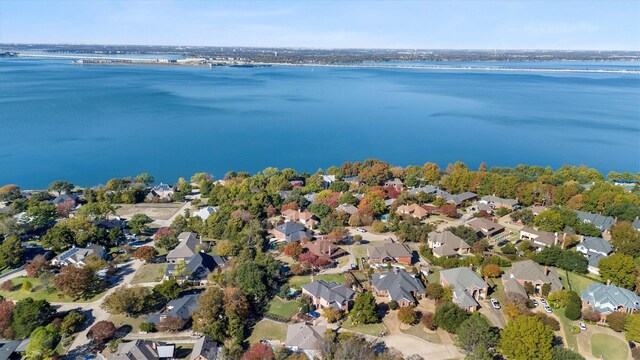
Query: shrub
(546, 289)
(589, 314)
(378, 226)
(332, 315)
(407, 315)
(393, 305)
(427, 321)
(548, 320)
(449, 316)
(434, 291)
(616, 321)
(147, 327)
(574, 306)
(26, 285)
(72, 322)
(7, 286)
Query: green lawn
(149, 273)
(282, 308)
(121, 319)
(498, 290)
(434, 277)
(183, 351)
(298, 281)
(38, 292)
(609, 347)
(268, 329)
(360, 251)
(419, 331)
(577, 281)
(569, 337)
(369, 329)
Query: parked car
(547, 308)
(543, 301)
(583, 327)
(361, 230)
(495, 304)
(534, 302)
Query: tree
(449, 210)
(526, 337)
(549, 220)
(6, 308)
(562, 353)
(508, 249)
(427, 321)
(449, 316)
(72, 322)
(620, 269)
(11, 252)
(625, 238)
(76, 282)
(9, 192)
(42, 342)
(364, 309)
(491, 271)
(632, 328)
(41, 214)
(477, 339)
(166, 238)
(36, 266)
(26, 285)
(293, 249)
(616, 321)
(139, 223)
(28, 314)
(145, 253)
(573, 261)
(102, 331)
(407, 315)
(574, 306)
(131, 301)
(258, 351)
(171, 323)
(61, 186)
(97, 210)
(546, 289)
(434, 291)
(331, 314)
(168, 290)
(145, 179)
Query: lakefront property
(273, 268)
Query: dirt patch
(162, 211)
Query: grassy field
(419, 331)
(161, 211)
(149, 273)
(369, 329)
(570, 338)
(434, 277)
(268, 329)
(360, 251)
(121, 319)
(609, 347)
(282, 308)
(298, 281)
(498, 290)
(577, 281)
(38, 292)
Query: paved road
(14, 275)
(94, 311)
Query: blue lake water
(89, 123)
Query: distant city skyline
(552, 25)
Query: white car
(547, 308)
(534, 302)
(543, 301)
(582, 326)
(495, 304)
(361, 230)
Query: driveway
(495, 316)
(94, 311)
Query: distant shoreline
(207, 63)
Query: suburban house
(424, 189)
(65, 198)
(11, 350)
(414, 210)
(602, 223)
(496, 202)
(594, 249)
(458, 199)
(447, 244)
(161, 192)
(467, 287)
(197, 268)
(325, 249)
(205, 349)
(291, 231)
(205, 212)
(395, 183)
(605, 299)
(182, 307)
(347, 208)
(76, 256)
(537, 209)
(329, 294)
(143, 350)
(485, 227)
(390, 252)
(305, 217)
(187, 247)
(539, 239)
(400, 286)
(327, 180)
(532, 272)
(305, 338)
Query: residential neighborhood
(218, 270)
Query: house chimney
(608, 282)
(546, 270)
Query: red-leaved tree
(102, 331)
(36, 266)
(6, 307)
(258, 351)
(145, 253)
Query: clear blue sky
(539, 24)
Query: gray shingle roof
(607, 298)
(425, 189)
(601, 222)
(596, 245)
(182, 307)
(206, 348)
(304, 337)
(399, 284)
(450, 243)
(390, 250)
(528, 270)
(334, 294)
(463, 278)
(186, 248)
